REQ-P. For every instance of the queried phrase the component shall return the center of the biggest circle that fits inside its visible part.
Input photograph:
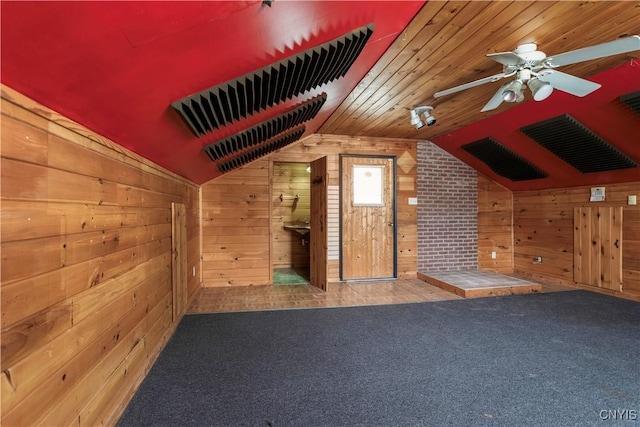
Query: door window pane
(367, 185)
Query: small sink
(299, 227)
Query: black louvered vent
(632, 100)
(223, 104)
(503, 161)
(568, 139)
(263, 150)
(266, 130)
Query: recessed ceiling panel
(266, 148)
(266, 130)
(231, 101)
(632, 100)
(503, 161)
(577, 145)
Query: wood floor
(230, 299)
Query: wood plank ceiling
(445, 46)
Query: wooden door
(367, 218)
(179, 258)
(318, 220)
(597, 243)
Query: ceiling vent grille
(568, 139)
(632, 100)
(503, 161)
(263, 150)
(266, 130)
(220, 105)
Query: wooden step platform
(478, 283)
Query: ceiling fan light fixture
(513, 92)
(541, 90)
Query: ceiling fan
(535, 69)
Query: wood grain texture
(292, 182)
(445, 46)
(495, 226)
(242, 197)
(319, 239)
(545, 225)
(86, 267)
(367, 230)
(598, 246)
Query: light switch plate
(632, 200)
(413, 200)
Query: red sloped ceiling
(115, 67)
(602, 112)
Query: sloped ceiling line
(234, 100)
(265, 130)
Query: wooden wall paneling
(319, 231)
(598, 246)
(24, 298)
(57, 386)
(631, 251)
(495, 226)
(545, 225)
(368, 238)
(614, 248)
(86, 267)
(178, 259)
(289, 180)
(235, 227)
(582, 272)
(218, 209)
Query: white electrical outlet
(493, 255)
(632, 200)
(413, 200)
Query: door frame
(394, 210)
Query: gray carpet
(556, 359)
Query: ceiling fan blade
(469, 85)
(627, 44)
(568, 83)
(505, 58)
(496, 99)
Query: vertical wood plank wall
(86, 267)
(236, 209)
(597, 246)
(319, 234)
(543, 226)
(289, 180)
(495, 226)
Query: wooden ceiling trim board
(402, 47)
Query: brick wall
(447, 211)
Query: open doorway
(290, 223)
